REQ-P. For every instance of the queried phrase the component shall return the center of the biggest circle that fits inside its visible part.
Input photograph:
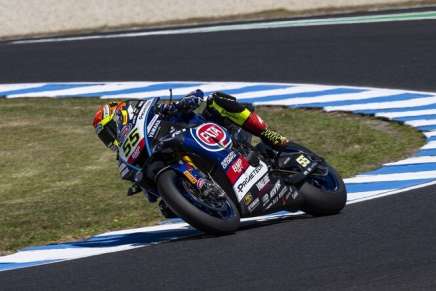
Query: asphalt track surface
(384, 244)
(393, 55)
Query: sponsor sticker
(282, 193)
(200, 183)
(253, 205)
(124, 170)
(141, 114)
(152, 122)
(136, 111)
(248, 199)
(153, 130)
(265, 199)
(263, 182)
(294, 194)
(144, 109)
(275, 189)
(228, 159)
(237, 166)
(248, 179)
(130, 110)
(153, 126)
(310, 168)
(190, 177)
(273, 202)
(136, 152)
(288, 159)
(210, 134)
(240, 165)
(124, 132)
(211, 137)
(303, 161)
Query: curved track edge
(417, 109)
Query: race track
(386, 244)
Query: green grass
(58, 182)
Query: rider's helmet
(105, 124)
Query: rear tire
(171, 192)
(318, 201)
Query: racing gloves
(187, 104)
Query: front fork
(188, 169)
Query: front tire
(178, 198)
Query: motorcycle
(175, 156)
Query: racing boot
(255, 125)
(134, 189)
(274, 139)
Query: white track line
(84, 90)
(361, 195)
(385, 105)
(12, 87)
(384, 194)
(80, 252)
(421, 122)
(430, 133)
(212, 86)
(333, 98)
(285, 91)
(411, 113)
(429, 145)
(32, 255)
(391, 177)
(414, 161)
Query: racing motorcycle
(175, 157)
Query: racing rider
(220, 108)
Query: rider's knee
(225, 102)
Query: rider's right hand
(187, 104)
(167, 108)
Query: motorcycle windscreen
(136, 144)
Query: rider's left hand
(191, 101)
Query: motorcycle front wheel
(213, 215)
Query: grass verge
(58, 182)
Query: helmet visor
(107, 133)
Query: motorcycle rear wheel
(324, 195)
(182, 202)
